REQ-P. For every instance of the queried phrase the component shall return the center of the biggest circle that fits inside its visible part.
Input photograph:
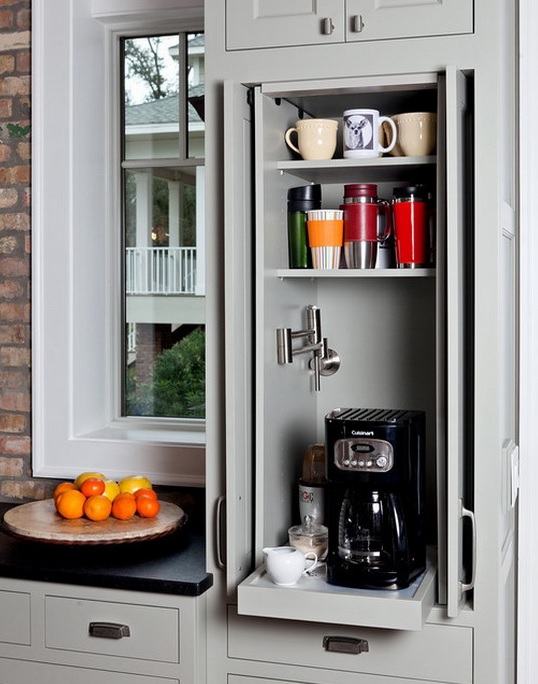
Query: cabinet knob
(327, 26)
(109, 630)
(342, 644)
(357, 23)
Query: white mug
(286, 564)
(316, 138)
(361, 133)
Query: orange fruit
(144, 491)
(63, 487)
(124, 506)
(93, 486)
(84, 476)
(147, 506)
(97, 507)
(70, 504)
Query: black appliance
(375, 497)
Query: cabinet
(80, 632)
(412, 316)
(266, 23)
(443, 339)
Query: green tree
(178, 388)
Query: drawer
(23, 672)
(15, 630)
(153, 631)
(438, 652)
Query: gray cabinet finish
(273, 23)
(465, 311)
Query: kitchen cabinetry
(440, 339)
(79, 633)
(266, 23)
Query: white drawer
(16, 606)
(23, 672)
(153, 631)
(437, 652)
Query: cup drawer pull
(109, 630)
(339, 644)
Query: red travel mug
(410, 220)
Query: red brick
(14, 311)
(23, 19)
(6, 108)
(13, 379)
(15, 357)
(10, 422)
(6, 19)
(24, 150)
(8, 198)
(13, 266)
(15, 221)
(7, 64)
(15, 174)
(5, 153)
(23, 61)
(14, 333)
(8, 245)
(15, 85)
(11, 289)
(15, 401)
(11, 467)
(15, 446)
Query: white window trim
(75, 249)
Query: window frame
(76, 248)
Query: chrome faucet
(324, 361)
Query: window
(85, 285)
(162, 135)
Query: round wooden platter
(39, 521)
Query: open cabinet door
(459, 338)
(236, 516)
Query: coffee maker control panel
(363, 455)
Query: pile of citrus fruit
(95, 497)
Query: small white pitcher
(285, 564)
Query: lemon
(84, 476)
(133, 482)
(112, 489)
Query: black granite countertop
(171, 565)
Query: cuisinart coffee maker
(375, 497)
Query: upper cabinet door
(279, 23)
(382, 19)
(254, 24)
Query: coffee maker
(375, 497)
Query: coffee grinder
(375, 497)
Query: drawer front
(357, 679)
(23, 672)
(153, 631)
(440, 653)
(16, 629)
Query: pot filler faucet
(324, 361)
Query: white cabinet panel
(280, 23)
(16, 605)
(23, 672)
(153, 632)
(438, 652)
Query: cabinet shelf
(379, 169)
(317, 273)
(313, 599)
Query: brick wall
(16, 482)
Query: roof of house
(161, 111)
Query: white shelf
(312, 599)
(315, 273)
(376, 169)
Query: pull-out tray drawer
(312, 598)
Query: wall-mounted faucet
(324, 361)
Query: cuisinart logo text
(362, 433)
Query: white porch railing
(160, 270)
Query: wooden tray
(39, 521)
